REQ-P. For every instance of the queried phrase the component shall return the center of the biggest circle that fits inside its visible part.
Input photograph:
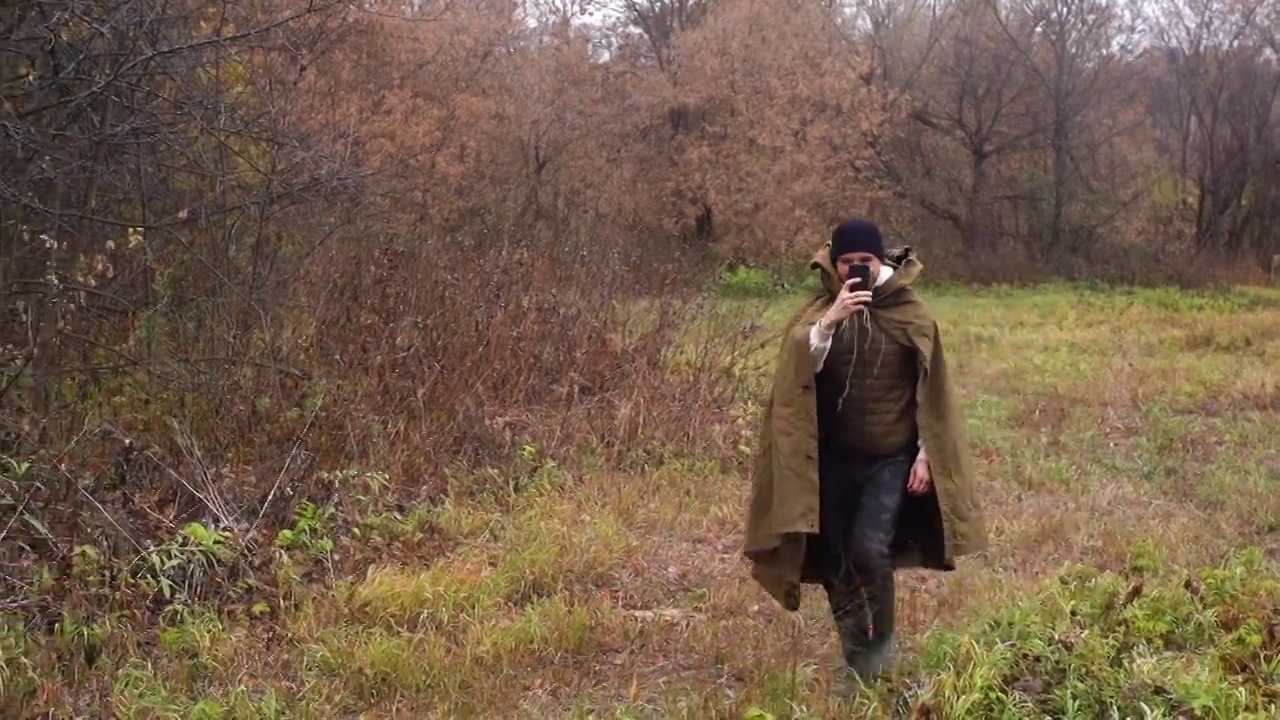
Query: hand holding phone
(855, 295)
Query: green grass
(1125, 442)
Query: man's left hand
(921, 478)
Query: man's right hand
(847, 303)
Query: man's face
(844, 262)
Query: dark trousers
(858, 513)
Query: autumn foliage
(244, 243)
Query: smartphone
(864, 273)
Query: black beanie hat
(856, 235)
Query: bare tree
(974, 98)
(1219, 85)
(662, 21)
(1076, 51)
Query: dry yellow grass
(1132, 434)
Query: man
(862, 465)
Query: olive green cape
(933, 529)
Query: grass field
(1128, 457)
